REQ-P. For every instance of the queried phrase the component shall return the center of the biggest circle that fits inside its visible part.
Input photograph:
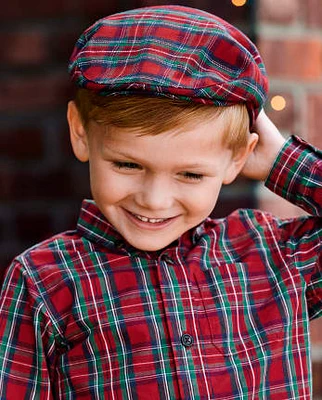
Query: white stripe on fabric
(155, 327)
(76, 299)
(103, 272)
(121, 339)
(194, 322)
(281, 296)
(13, 328)
(175, 300)
(239, 332)
(297, 303)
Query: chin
(149, 246)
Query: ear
(239, 159)
(78, 135)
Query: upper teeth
(151, 220)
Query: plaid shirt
(220, 314)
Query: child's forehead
(170, 51)
(208, 134)
(198, 149)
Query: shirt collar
(94, 226)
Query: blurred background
(42, 185)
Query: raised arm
(293, 170)
(270, 142)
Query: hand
(261, 159)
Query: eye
(192, 176)
(126, 165)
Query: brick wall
(290, 40)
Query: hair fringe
(155, 115)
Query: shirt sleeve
(297, 177)
(25, 339)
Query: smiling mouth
(150, 220)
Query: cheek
(203, 200)
(109, 186)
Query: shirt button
(187, 340)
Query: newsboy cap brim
(172, 51)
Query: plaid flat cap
(171, 51)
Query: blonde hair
(155, 115)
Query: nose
(156, 193)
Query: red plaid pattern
(170, 51)
(221, 314)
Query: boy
(149, 298)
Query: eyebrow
(142, 161)
(192, 166)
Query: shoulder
(44, 263)
(44, 273)
(251, 228)
(47, 251)
(242, 222)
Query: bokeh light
(239, 3)
(278, 103)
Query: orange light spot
(278, 103)
(239, 3)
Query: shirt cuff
(289, 175)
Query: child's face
(152, 189)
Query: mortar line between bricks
(316, 353)
(282, 32)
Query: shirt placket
(177, 299)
